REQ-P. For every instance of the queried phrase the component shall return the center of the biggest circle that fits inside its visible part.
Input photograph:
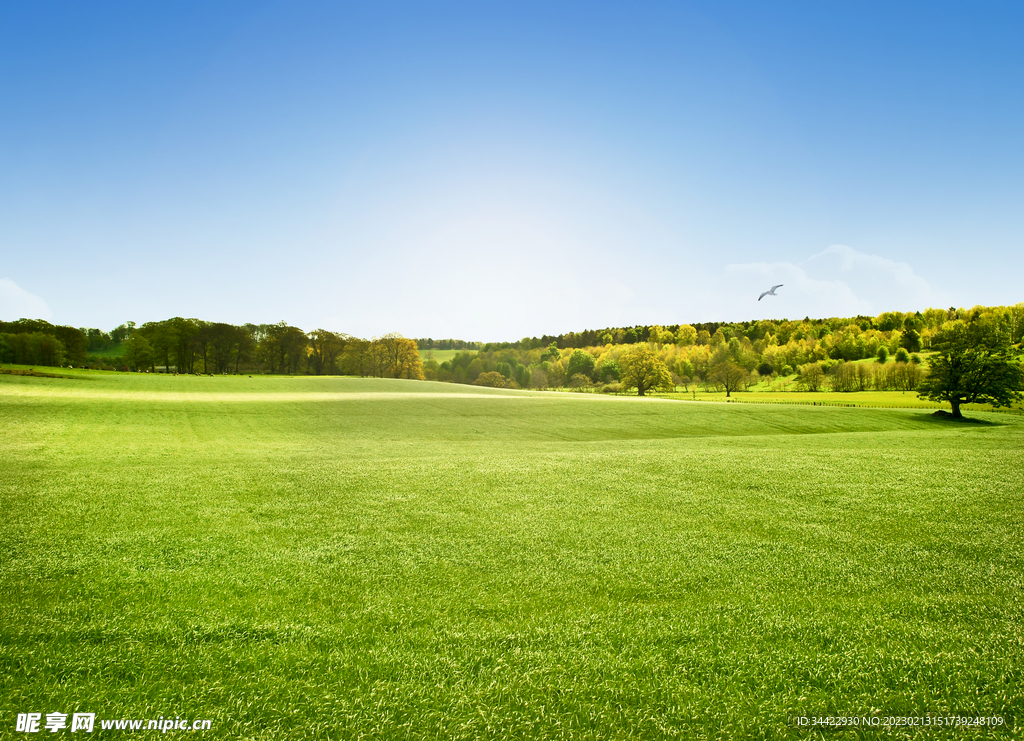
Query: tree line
(914, 328)
(194, 346)
(191, 346)
(817, 353)
(37, 342)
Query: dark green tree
(580, 363)
(975, 364)
(608, 370)
(324, 349)
(162, 339)
(137, 352)
(76, 344)
(911, 340)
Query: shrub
(491, 378)
(579, 381)
(608, 370)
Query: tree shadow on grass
(941, 416)
(32, 372)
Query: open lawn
(383, 559)
(442, 355)
(873, 399)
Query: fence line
(824, 403)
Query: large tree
(643, 370)
(729, 376)
(580, 362)
(137, 352)
(975, 364)
(324, 348)
(394, 356)
(163, 340)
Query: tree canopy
(975, 364)
(643, 370)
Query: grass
(379, 559)
(442, 355)
(866, 399)
(115, 350)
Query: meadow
(325, 557)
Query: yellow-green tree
(642, 370)
(729, 376)
(324, 349)
(394, 356)
(686, 335)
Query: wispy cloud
(17, 303)
(838, 281)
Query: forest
(813, 353)
(194, 346)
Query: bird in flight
(769, 292)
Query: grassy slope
(303, 557)
(442, 355)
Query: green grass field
(114, 351)
(384, 559)
(442, 355)
(871, 399)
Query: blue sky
(497, 170)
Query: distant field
(441, 355)
(379, 559)
(114, 351)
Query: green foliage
(608, 370)
(812, 376)
(642, 370)
(138, 354)
(552, 352)
(660, 335)
(37, 342)
(32, 348)
(580, 363)
(975, 363)
(579, 381)
(686, 335)
(492, 379)
(729, 376)
(883, 354)
(910, 340)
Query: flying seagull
(769, 293)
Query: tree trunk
(955, 403)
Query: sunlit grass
(302, 557)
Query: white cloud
(838, 281)
(17, 303)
